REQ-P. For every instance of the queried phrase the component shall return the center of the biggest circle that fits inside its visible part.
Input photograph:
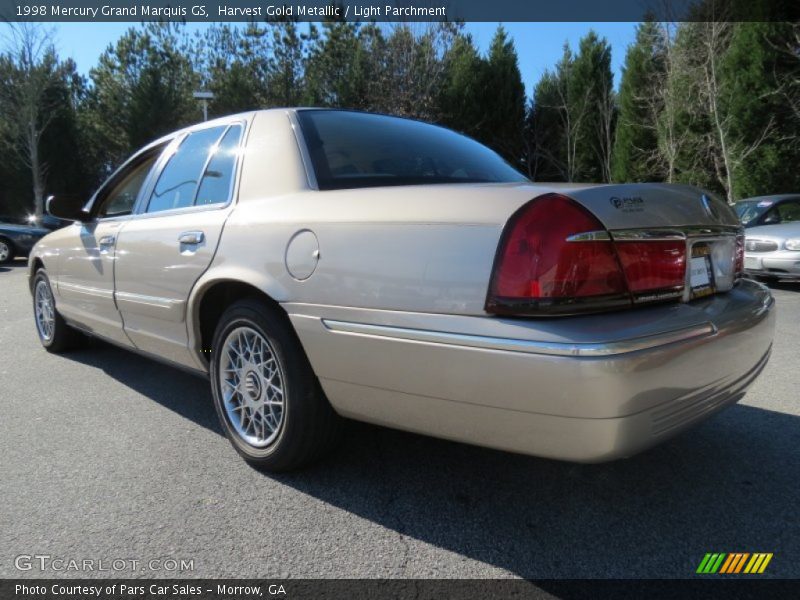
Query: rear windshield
(354, 150)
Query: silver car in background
(320, 264)
(772, 252)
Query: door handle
(106, 240)
(192, 237)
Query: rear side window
(352, 149)
(177, 186)
(217, 181)
(789, 211)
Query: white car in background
(772, 252)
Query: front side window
(178, 182)
(120, 200)
(352, 149)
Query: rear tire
(54, 333)
(6, 251)
(267, 397)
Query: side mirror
(69, 208)
(771, 219)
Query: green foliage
(233, 64)
(336, 73)
(463, 99)
(712, 104)
(755, 70)
(636, 141)
(546, 125)
(571, 127)
(591, 90)
(141, 89)
(37, 120)
(503, 95)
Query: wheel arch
(34, 264)
(212, 295)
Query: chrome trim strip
(590, 236)
(87, 290)
(648, 235)
(154, 301)
(674, 233)
(525, 346)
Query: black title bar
(398, 10)
(418, 589)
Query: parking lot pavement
(108, 455)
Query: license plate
(752, 262)
(701, 271)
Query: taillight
(556, 258)
(654, 269)
(544, 266)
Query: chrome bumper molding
(526, 346)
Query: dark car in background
(769, 210)
(19, 234)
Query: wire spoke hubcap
(252, 386)
(44, 310)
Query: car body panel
(418, 248)
(623, 401)
(155, 273)
(386, 288)
(84, 278)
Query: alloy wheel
(252, 386)
(44, 310)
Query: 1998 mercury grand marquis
(319, 264)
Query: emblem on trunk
(627, 203)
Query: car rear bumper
(583, 389)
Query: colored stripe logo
(734, 562)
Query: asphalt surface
(106, 455)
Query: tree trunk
(36, 171)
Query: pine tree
(761, 126)
(636, 151)
(335, 72)
(142, 89)
(503, 100)
(461, 100)
(233, 63)
(547, 126)
(591, 95)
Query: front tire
(267, 397)
(54, 333)
(6, 251)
